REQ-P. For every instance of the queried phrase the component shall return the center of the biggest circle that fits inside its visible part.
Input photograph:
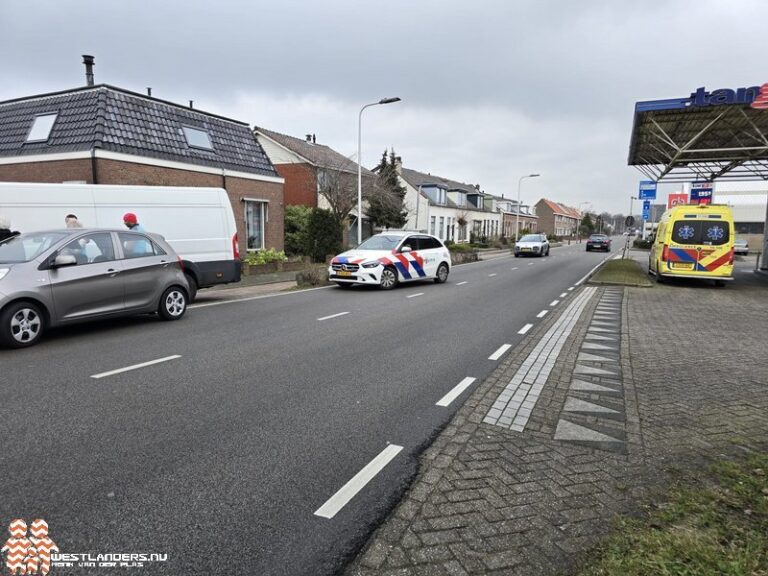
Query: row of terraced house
(102, 134)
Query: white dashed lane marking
(542, 314)
(500, 352)
(554, 303)
(456, 392)
(525, 329)
(564, 294)
(415, 295)
(491, 275)
(358, 482)
(461, 283)
(332, 316)
(134, 367)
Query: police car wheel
(388, 279)
(442, 273)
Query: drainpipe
(94, 173)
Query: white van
(197, 222)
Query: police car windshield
(380, 242)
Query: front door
(93, 286)
(143, 261)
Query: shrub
(265, 257)
(460, 248)
(323, 235)
(312, 276)
(642, 244)
(296, 224)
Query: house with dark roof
(513, 215)
(557, 219)
(101, 134)
(316, 175)
(451, 210)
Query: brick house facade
(106, 135)
(557, 219)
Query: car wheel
(173, 304)
(192, 286)
(442, 273)
(388, 279)
(517, 255)
(547, 253)
(21, 325)
(587, 248)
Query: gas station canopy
(721, 135)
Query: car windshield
(531, 238)
(26, 247)
(741, 242)
(380, 242)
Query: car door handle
(113, 271)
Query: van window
(709, 232)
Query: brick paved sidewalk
(646, 382)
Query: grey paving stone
(594, 358)
(584, 386)
(581, 369)
(574, 432)
(578, 405)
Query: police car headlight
(3, 272)
(371, 264)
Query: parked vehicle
(532, 245)
(392, 257)
(598, 242)
(197, 222)
(58, 277)
(694, 241)
(740, 247)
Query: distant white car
(740, 247)
(392, 257)
(532, 245)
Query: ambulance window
(714, 233)
(686, 232)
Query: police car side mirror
(405, 249)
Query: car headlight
(3, 272)
(371, 264)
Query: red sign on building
(677, 198)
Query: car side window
(136, 245)
(429, 243)
(91, 249)
(413, 242)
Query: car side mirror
(405, 249)
(62, 260)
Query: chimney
(88, 61)
(308, 138)
(191, 102)
(314, 140)
(399, 164)
(149, 90)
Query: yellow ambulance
(694, 241)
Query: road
(222, 456)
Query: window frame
(28, 139)
(186, 127)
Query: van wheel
(21, 325)
(659, 277)
(173, 304)
(442, 273)
(192, 286)
(720, 283)
(388, 279)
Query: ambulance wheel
(720, 283)
(442, 273)
(388, 279)
(659, 277)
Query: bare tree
(338, 186)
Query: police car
(392, 257)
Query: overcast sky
(491, 90)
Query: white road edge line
(135, 367)
(358, 482)
(542, 314)
(525, 329)
(491, 275)
(249, 298)
(516, 268)
(564, 294)
(415, 295)
(554, 303)
(461, 283)
(456, 392)
(571, 288)
(500, 352)
(588, 274)
(332, 316)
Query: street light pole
(578, 226)
(517, 218)
(360, 164)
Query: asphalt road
(221, 457)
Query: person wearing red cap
(130, 220)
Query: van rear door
(700, 245)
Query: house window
(197, 138)
(255, 218)
(41, 128)
(432, 225)
(442, 228)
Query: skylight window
(41, 127)
(197, 138)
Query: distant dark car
(598, 242)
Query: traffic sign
(629, 221)
(647, 190)
(647, 210)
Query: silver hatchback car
(57, 277)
